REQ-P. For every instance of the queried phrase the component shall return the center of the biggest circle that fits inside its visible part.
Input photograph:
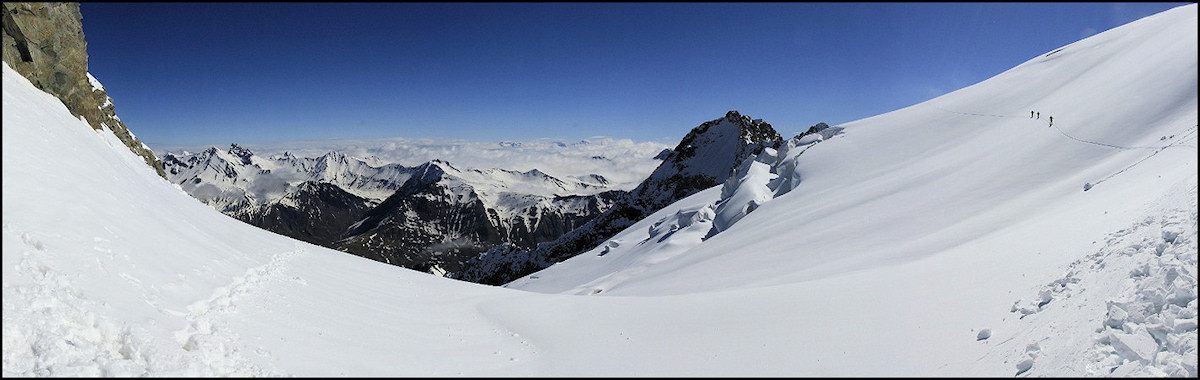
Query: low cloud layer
(623, 161)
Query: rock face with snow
(705, 157)
(417, 217)
(44, 42)
(444, 216)
(316, 212)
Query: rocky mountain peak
(240, 152)
(424, 175)
(536, 173)
(705, 157)
(334, 155)
(306, 187)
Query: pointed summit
(241, 153)
(706, 156)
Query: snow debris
(984, 334)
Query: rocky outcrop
(44, 42)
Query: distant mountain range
(431, 217)
(480, 225)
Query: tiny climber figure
(1030, 114)
(1052, 121)
(1039, 115)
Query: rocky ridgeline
(44, 42)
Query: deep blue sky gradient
(219, 73)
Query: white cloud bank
(623, 161)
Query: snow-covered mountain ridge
(234, 179)
(331, 200)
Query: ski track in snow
(1065, 134)
(209, 337)
(1088, 186)
(1147, 326)
(1156, 148)
(1177, 143)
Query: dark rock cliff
(44, 42)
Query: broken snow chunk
(984, 334)
(608, 247)
(1159, 331)
(1116, 316)
(1185, 325)
(1140, 271)
(1044, 297)
(1188, 362)
(1170, 234)
(1125, 370)
(1137, 346)
(1023, 309)
(1024, 365)
(1184, 292)
(1033, 349)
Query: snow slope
(900, 240)
(963, 200)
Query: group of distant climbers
(1038, 115)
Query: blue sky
(220, 73)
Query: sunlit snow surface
(896, 242)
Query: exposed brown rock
(44, 42)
